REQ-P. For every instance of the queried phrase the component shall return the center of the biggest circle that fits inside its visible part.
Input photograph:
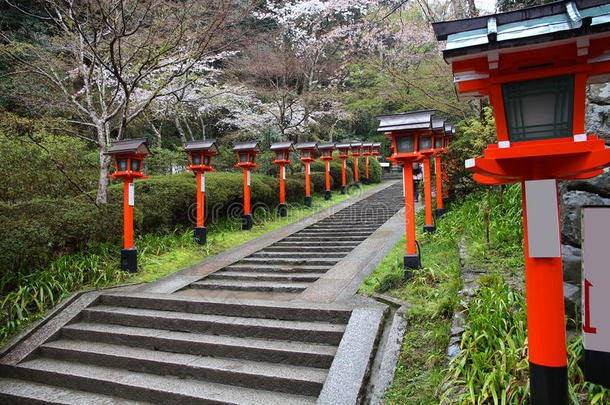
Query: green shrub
(39, 231)
(317, 181)
(335, 171)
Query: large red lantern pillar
(367, 150)
(343, 149)
(326, 149)
(307, 156)
(128, 157)
(404, 130)
(200, 154)
(246, 152)
(534, 66)
(282, 158)
(425, 149)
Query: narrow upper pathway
(255, 325)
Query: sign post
(246, 152)
(595, 297)
(405, 129)
(343, 155)
(326, 149)
(200, 154)
(128, 157)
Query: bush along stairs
(240, 335)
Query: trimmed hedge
(38, 231)
(335, 172)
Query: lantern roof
(281, 146)
(135, 145)
(449, 129)
(377, 144)
(205, 145)
(251, 146)
(415, 120)
(307, 145)
(324, 146)
(561, 20)
(367, 144)
(438, 124)
(343, 145)
(355, 144)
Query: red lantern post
(425, 149)
(534, 65)
(282, 158)
(246, 152)
(376, 147)
(128, 157)
(367, 150)
(326, 149)
(343, 149)
(200, 154)
(307, 156)
(404, 130)
(356, 148)
(438, 132)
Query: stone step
(239, 285)
(278, 268)
(146, 387)
(316, 332)
(278, 261)
(306, 248)
(276, 351)
(19, 392)
(297, 254)
(236, 372)
(265, 276)
(227, 307)
(354, 232)
(349, 243)
(321, 238)
(342, 228)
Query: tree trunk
(180, 130)
(102, 185)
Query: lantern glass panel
(136, 164)
(405, 144)
(206, 160)
(122, 164)
(539, 109)
(286, 155)
(278, 155)
(196, 160)
(354, 150)
(243, 158)
(438, 141)
(326, 153)
(252, 156)
(425, 142)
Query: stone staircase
(293, 264)
(211, 343)
(164, 348)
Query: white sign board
(596, 278)
(542, 216)
(404, 194)
(131, 195)
(283, 173)
(308, 169)
(203, 182)
(248, 176)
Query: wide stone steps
(236, 372)
(350, 243)
(305, 268)
(323, 238)
(265, 276)
(275, 261)
(316, 332)
(239, 285)
(275, 351)
(297, 254)
(145, 386)
(21, 392)
(309, 248)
